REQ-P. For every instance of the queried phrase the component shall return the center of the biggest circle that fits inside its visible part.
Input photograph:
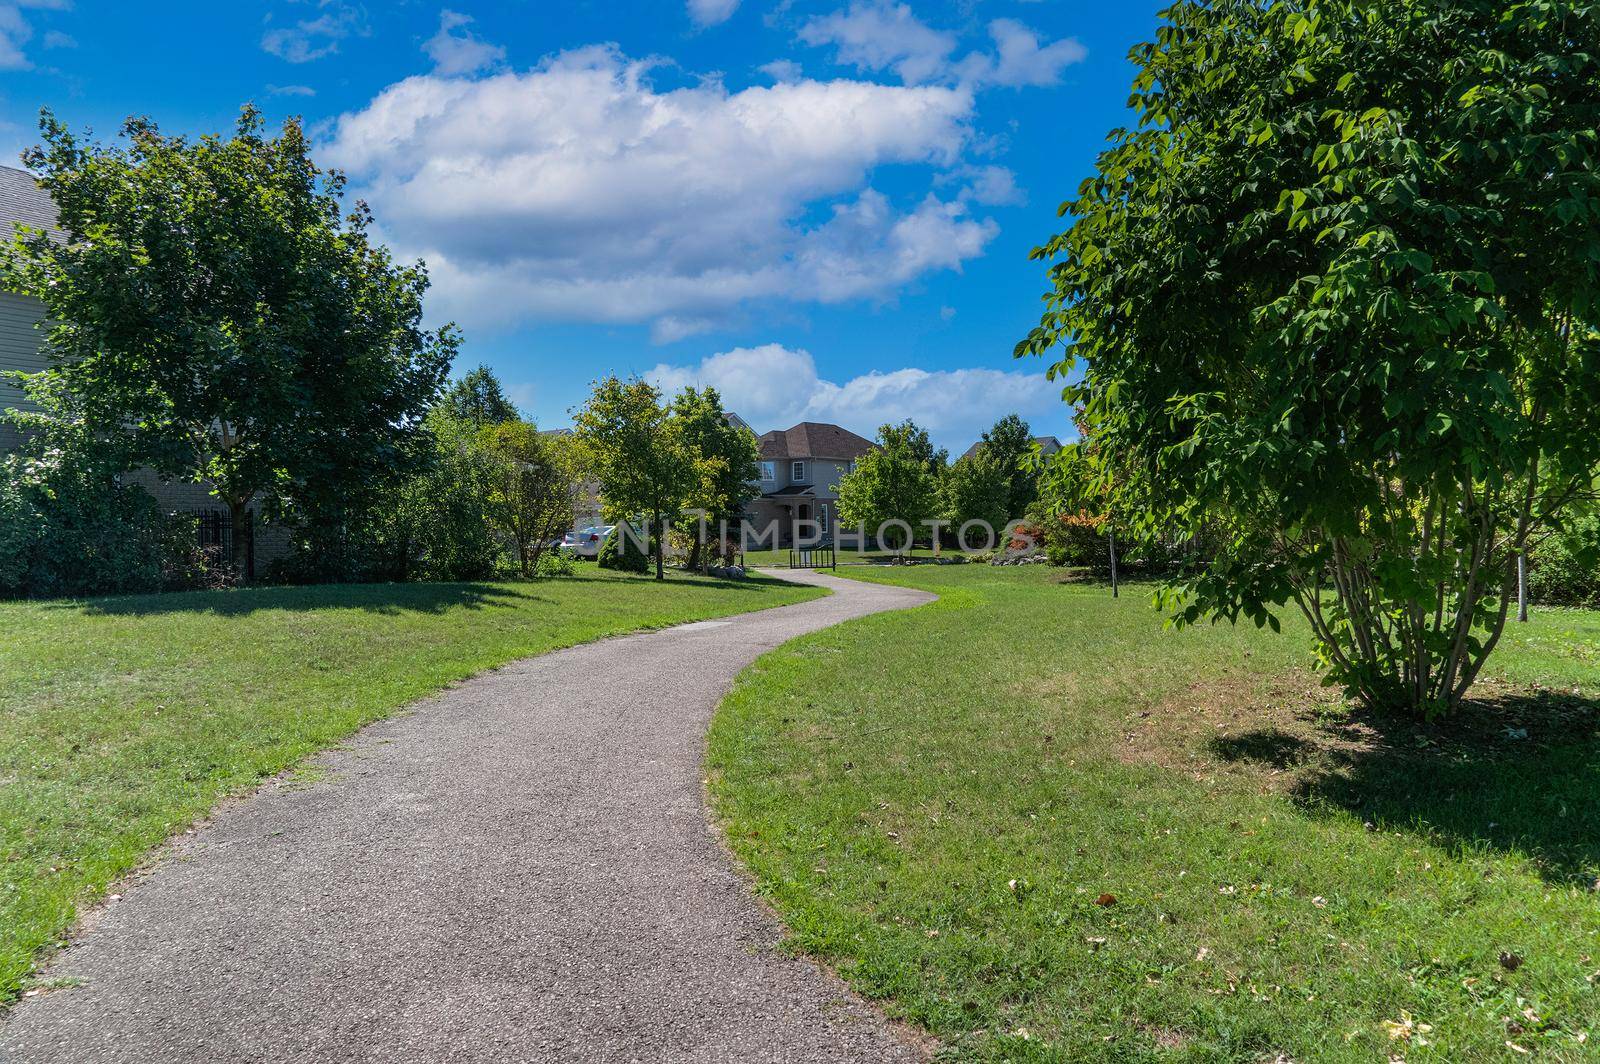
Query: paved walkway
(520, 869)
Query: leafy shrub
(431, 524)
(67, 527)
(1075, 538)
(1026, 537)
(558, 561)
(623, 556)
(1565, 570)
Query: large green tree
(215, 313)
(726, 458)
(896, 481)
(637, 453)
(1332, 297)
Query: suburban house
(1048, 445)
(24, 203)
(800, 472)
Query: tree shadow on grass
(371, 598)
(1515, 771)
(368, 598)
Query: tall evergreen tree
(479, 399)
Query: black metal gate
(813, 558)
(214, 533)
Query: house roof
(814, 439)
(23, 202)
(789, 490)
(1047, 444)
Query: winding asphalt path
(519, 869)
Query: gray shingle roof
(23, 202)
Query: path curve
(518, 869)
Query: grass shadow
(1514, 772)
(369, 598)
(1267, 746)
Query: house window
(852, 467)
(769, 471)
(822, 519)
(797, 472)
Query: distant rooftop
(1047, 444)
(814, 439)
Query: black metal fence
(823, 557)
(214, 533)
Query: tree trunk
(660, 545)
(1111, 542)
(1522, 587)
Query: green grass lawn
(126, 719)
(1038, 824)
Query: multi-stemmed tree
(1333, 299)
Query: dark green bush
(623, 555)
(68, 528)
(1565, 569)
(431, 524)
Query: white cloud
(885, 35)
(773, 387)
(578, 191)
(314, 38)
(781, 70)
(991, 185)
(1020, 60)
(711, 12)
(57, 39)
(460, 52)
(16, 31)
(291, 90)
(882, 35)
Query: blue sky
(825, 209)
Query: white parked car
(585, 542)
